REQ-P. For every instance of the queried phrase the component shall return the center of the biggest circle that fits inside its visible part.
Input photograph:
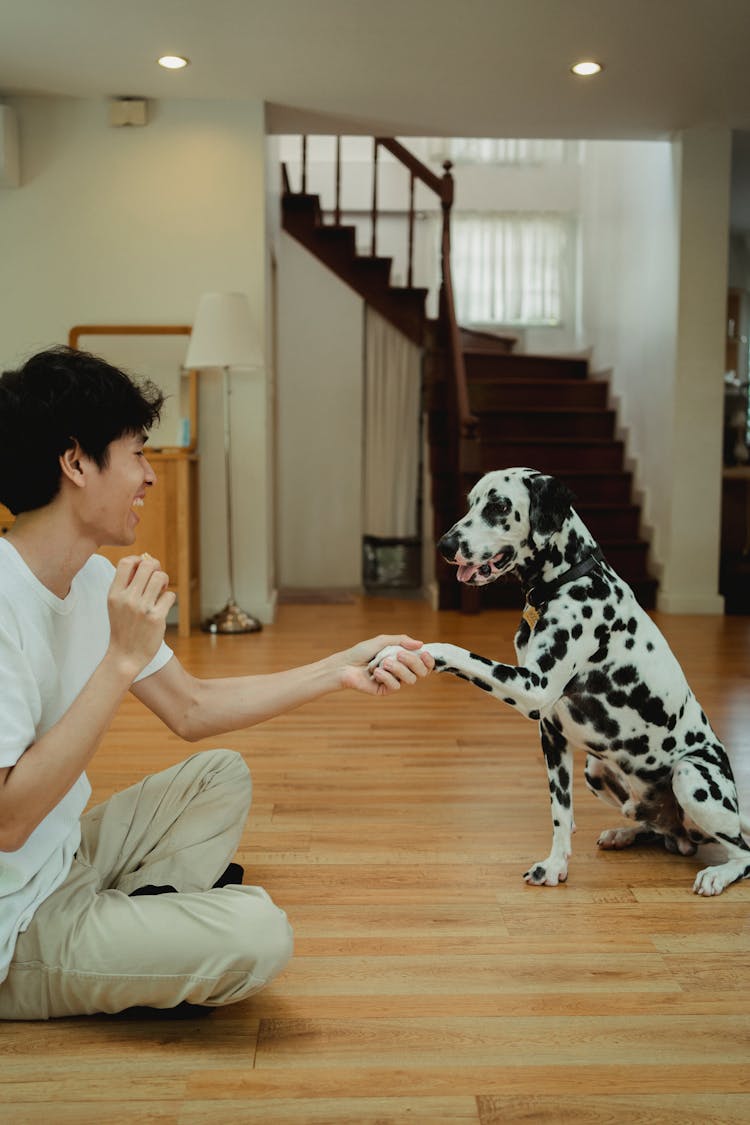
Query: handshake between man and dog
(597, 675)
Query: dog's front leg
(559, 761)
(527, 688)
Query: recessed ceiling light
(173, 62)
(586, 68)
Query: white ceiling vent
(127, 111)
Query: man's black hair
(57, 397)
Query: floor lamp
(223, 337)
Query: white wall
(629, 248)
(320, 386)
(131, 225)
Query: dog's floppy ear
(550, 504)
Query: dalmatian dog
(597, 675)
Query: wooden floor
(429, 984)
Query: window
(513, 268)
(491, 150)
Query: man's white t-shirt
(49, 648)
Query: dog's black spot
(637, 745)
(503, 673)
(481, 659)
(533, 714)
(594, 782)
(592, 710)
(481, 684)
(524, 632)
(649, 707)
(728, 804)
(511, 701)
(597, 682)
(654, 775)
(587, 611)
(632, 625)
(669, 743)
(554, 745)
(608, 612)
(576, 631)
(625, 675)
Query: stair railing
(442, 187)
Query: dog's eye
(495, 510)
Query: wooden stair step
(605, 488)
(617, 521)
(487, 393)
(553, 455)
(523, 366)
(561, 422)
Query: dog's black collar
(541, 593)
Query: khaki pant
(91, 948)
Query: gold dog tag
(530, 615)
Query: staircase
(544, 412)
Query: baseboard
(712, 604)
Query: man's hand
(405, 666)
(138, 604)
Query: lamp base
(231, 619)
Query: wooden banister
(413, 163)
(442, 186)
(465, 423)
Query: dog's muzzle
(475, 574)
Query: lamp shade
(223, 334)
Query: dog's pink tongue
(466, 571)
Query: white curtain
(512, 268)
(493, 150)
(392, 410)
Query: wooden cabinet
(168, 530)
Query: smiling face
(490, 538)
(108, 505)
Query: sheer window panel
(514, 269)
(509, 150)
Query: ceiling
(407, 67)
(445, 67)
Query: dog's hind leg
(603, 782)
(704, 788)
(559, 761)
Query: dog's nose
(448, 545)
